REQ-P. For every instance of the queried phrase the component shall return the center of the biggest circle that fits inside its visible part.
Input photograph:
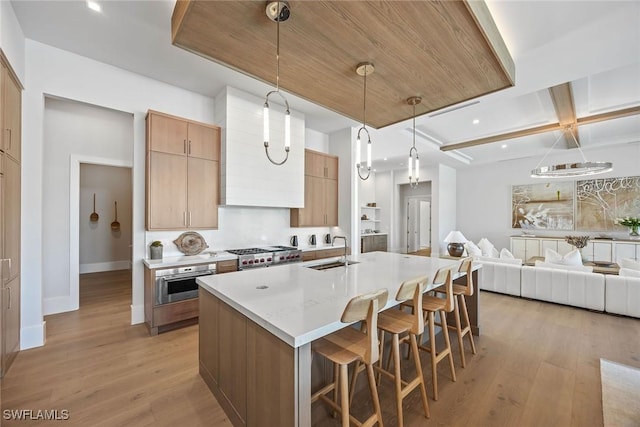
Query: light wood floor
(537, 365)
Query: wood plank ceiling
(446, 52)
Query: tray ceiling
(446, 52)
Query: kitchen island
(256, 329)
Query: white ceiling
(593, 44)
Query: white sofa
(500, 275)
(623, 295)
(576, 288)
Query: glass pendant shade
(277, 11)
(364, 69)
(414, 174)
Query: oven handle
(187, 275)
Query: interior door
(425, 224)
(413, 225)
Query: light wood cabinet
(373, 243)
(183, 173)
(10, 322)
(320, 192)
(323, 253)
(12, 115)
(10, 169)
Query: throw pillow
(486, 247)
(629, 272)
(557, 266)
(505, 254)
(472, 249)
(495, 253)
(572, 258)
(630, 263)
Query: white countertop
(372, 234)
(300, 304)
(177, 261)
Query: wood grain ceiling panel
(446, 52)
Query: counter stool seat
(349, 345)
(460, 305)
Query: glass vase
(633, 231)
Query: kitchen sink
(332, 264)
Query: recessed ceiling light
(476, 121)
(504, 145)
(385, 159)
(375, 170)
(94, 6)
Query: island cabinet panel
(183, 173)
(232, 357)
(245, 367)
(269, 368)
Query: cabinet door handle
(189, 149)
(9, 307)
(184, 218)
(184, 146)
(189, 218)
(9, 130)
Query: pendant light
(277, 11)
(364, 69)
(414, 175)
(584, 168)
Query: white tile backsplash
(243, 227)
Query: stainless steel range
(266, 256)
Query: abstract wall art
(546, 206)
(601, 201)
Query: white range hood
(248, 178)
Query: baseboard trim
(32, 336)
(57, 305)
(97, 267)
(137, 314)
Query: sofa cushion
(572, 258)
(505, 254)
(630, 263)
(486, 247)
(564, 266)
(629, 272)
(472, 249)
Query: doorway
(105, 222)
(416, 219)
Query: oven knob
(281, 258)
(297, 255)
(250, 261)
(244, 262)
(268, 259)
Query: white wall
(51, 71)
(316, 141)
(484, 192)
(444, 202)
(12, 39)
(101, 248)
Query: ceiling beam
(562, 98)
(631, 111)
(541, 129)
(502, 137)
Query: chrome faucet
(345, 246)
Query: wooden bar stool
(460, 292)
(397, 323)
(430, 306)
(350, 345)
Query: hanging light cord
(277, 91)
(413, 148)
(566, 129)
(364, 124)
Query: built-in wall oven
(177, 284)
